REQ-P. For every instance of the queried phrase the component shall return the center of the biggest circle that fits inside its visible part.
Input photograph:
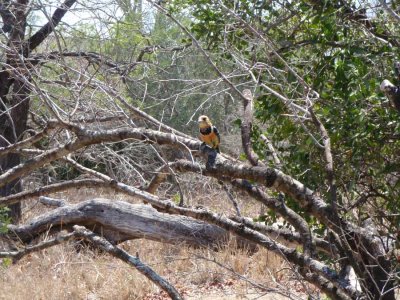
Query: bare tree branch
(332, 286)
(328, 158)
(159, 177)
(48, 28)
(96, 58)
(285, 235)
(17, 255)
(117, 216)
(197, 43)
(102, 243)
(89, 137)
(246, 129)
(29, 141)
(129, 259)
(52, 201)
(270, 178)
(266, 176)
(281, 209)
(271, 148)
(120, 221)
(52, 188)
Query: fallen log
(119, 221)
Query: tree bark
(119, 221)
(14, 92)
(14, 107)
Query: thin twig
(232, 199)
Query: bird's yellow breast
(210, 139)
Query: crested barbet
(209, 133)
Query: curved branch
(52, 188)
(324, 277)
(109, 183)
(271, 148)
(246, 129)
(308, 200)
(266, 176)
(278, 206)
(48, 28)
(160, 175)
(292, 217)
(89, 213)
(285, 235)
(328, 157)
(281, 209)
(131, 260)
(119, 221)
(91, 137)
(269, 177)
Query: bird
(392, 92)
(209, 133)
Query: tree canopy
(299, 85)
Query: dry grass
(63, 273)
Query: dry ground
(63, 273)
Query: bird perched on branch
(209, 133)
(391, 91)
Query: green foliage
(6, 262)
(343, 63)
(176, 198)
(321, 41)
(170, 76)
(4, 219)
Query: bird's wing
(216, 134)
(215, 130)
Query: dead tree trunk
(119, 221)
(14, 80)
(14, 101)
